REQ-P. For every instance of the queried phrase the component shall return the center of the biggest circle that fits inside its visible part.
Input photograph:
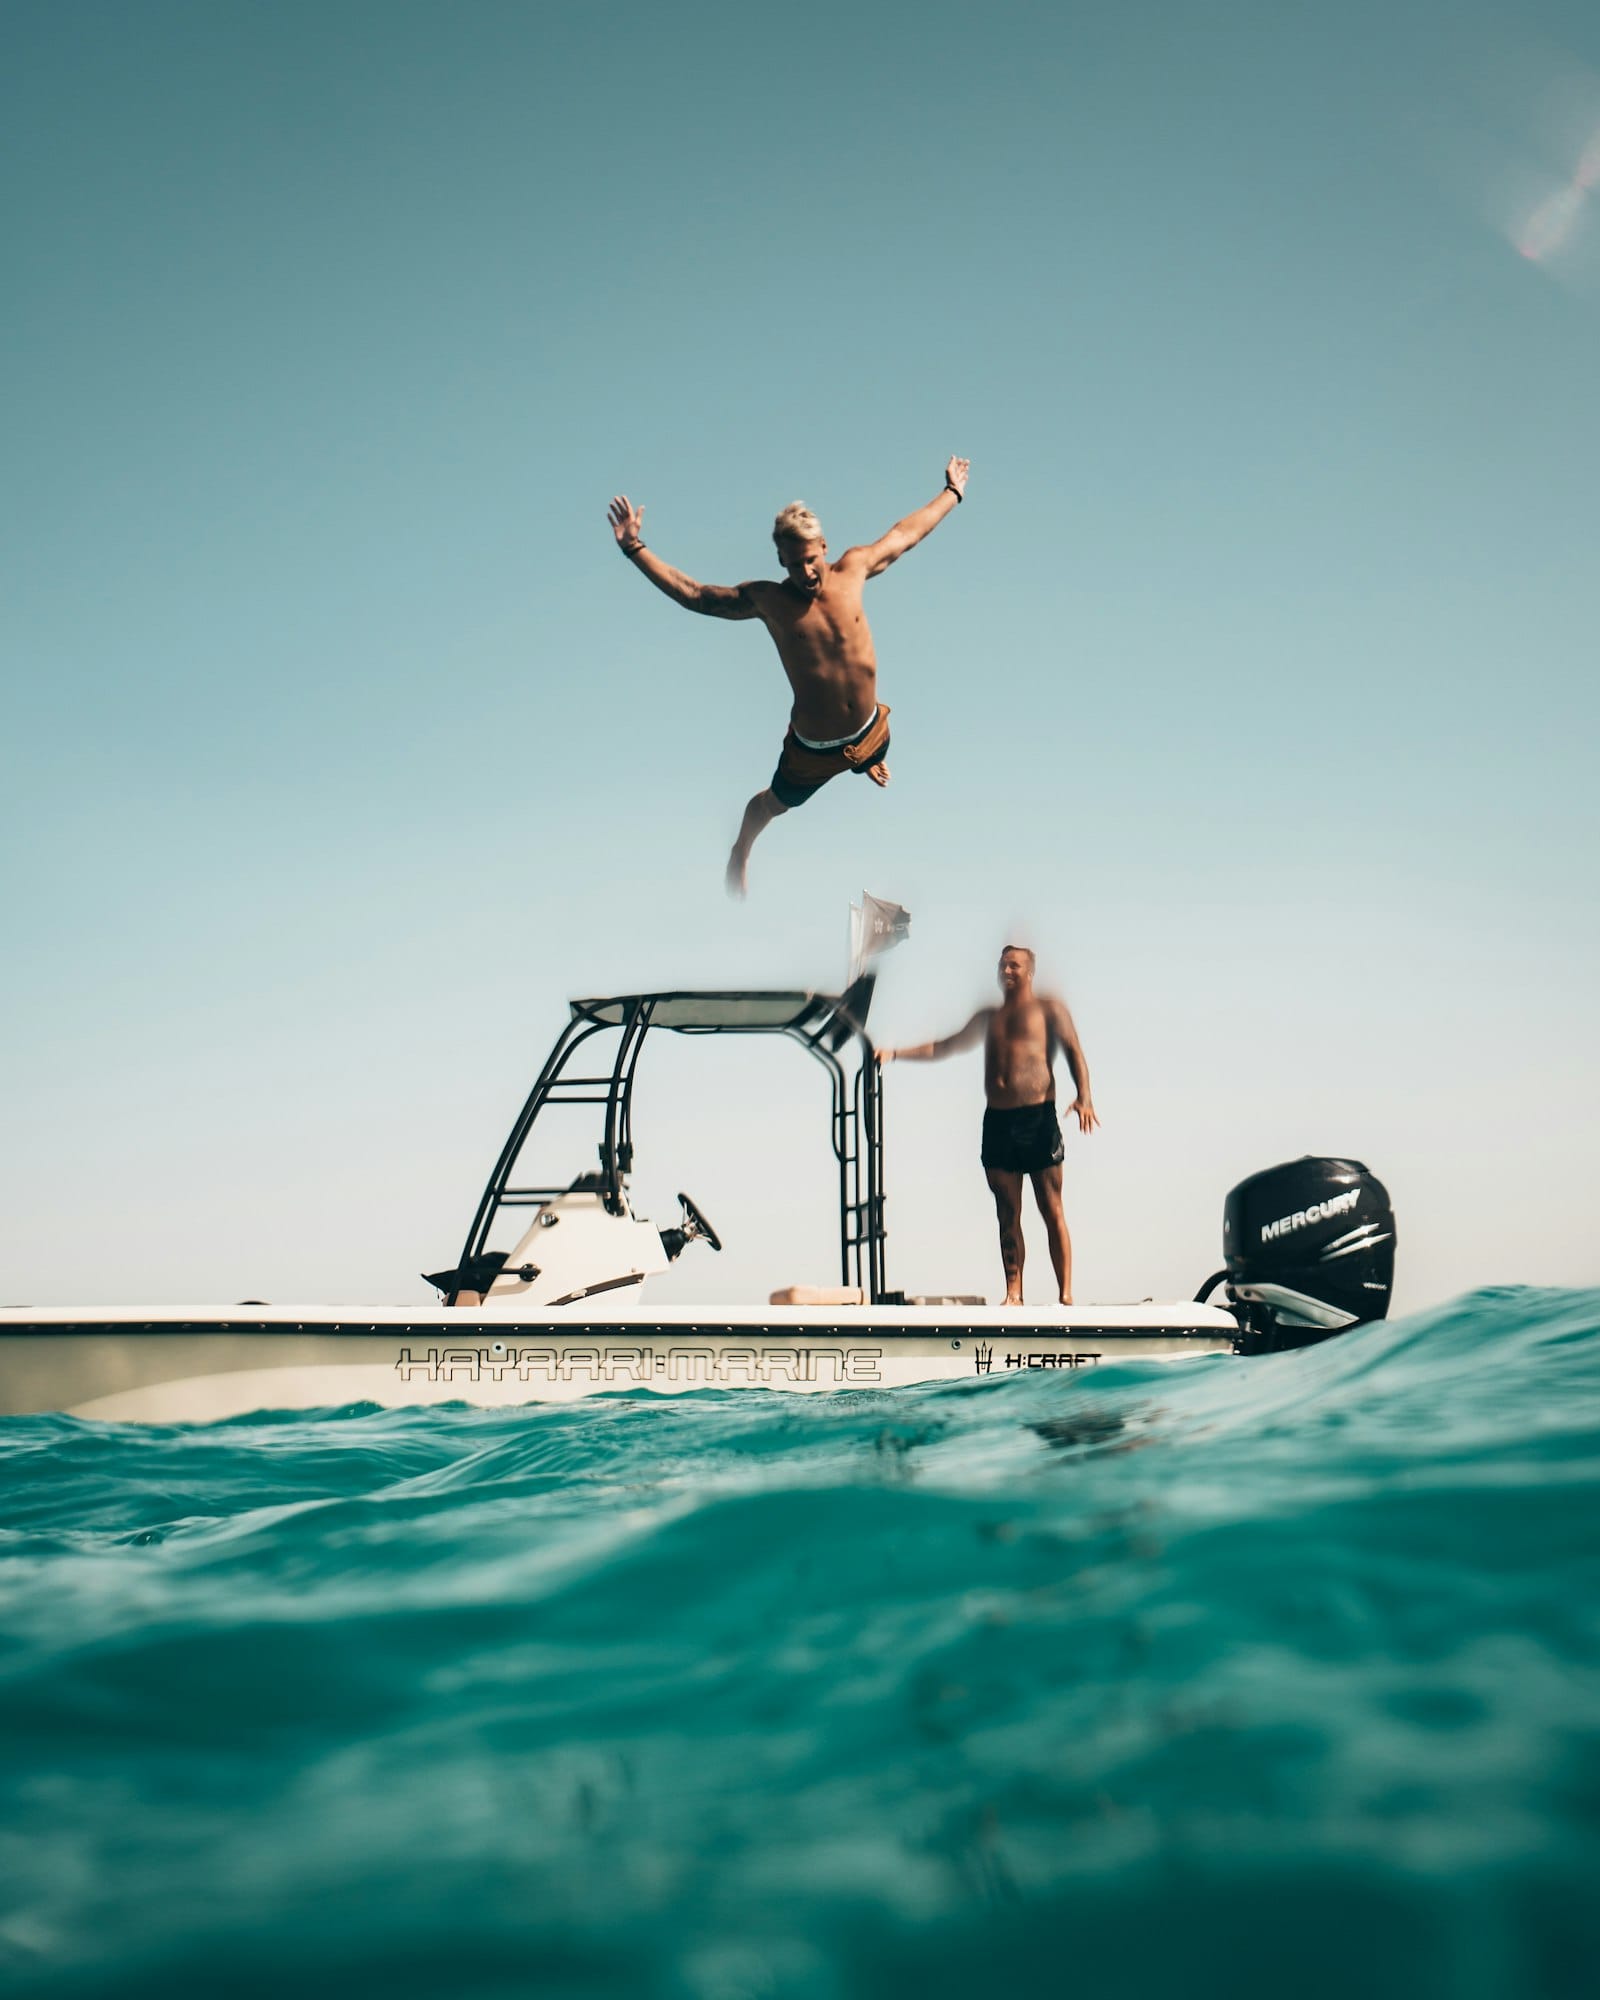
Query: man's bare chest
(824, 625)
(1022, 1036)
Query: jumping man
(1021, 1134)
(819, 627)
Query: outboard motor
(1310, 1251)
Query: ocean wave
(1186, 1676)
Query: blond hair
(798, 521)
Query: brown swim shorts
(802, 771)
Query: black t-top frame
(831, 1027)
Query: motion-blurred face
(805, 563)
(1016, 969)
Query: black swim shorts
(1025, 1140)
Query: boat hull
(203, 1367)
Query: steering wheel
(698, 1224)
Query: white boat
(561, 1310)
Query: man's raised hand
(955, 476)
(627, 521)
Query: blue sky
(1255, 684)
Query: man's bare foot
(737, 879)
(1012, 1299)
(878, 773)
(1066, 1298)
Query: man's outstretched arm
(952, 1045)
(915, 527)
(712, 600)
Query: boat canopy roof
(709, 1013)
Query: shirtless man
(820, 629)
(1021, 1134)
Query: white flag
(875, 926)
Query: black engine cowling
(1310, 1251)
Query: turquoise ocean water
(1224, 1677)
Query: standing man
(819, 627)
(1021, 1134)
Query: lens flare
(1551, 225)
